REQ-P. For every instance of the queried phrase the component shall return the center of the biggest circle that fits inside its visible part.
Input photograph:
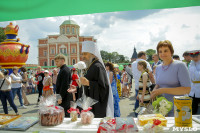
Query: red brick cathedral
(67, 43)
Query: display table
(76, 127)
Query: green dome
(69, 22)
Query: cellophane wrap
(73, 111)
(126, 125)
(107, 125)
(49, 114)
(85, 103)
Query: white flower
(80, 65)
(163, 110)
(163, 103)
(168, 106)
(186, 113)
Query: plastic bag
(73, 111)
(85, 103)
(145, 110)
(126, 125)
(107, 125)
(49, 114)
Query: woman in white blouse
(5, 91)
(16, 86)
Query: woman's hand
(155, 93)
(142, 99)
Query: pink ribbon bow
(86, 110)
(73, 109)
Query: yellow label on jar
(183, 111)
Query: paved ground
(31, 110)
(126, 106)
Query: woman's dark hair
(23, 69)
(144, 64)
(112, 69)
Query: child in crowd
(125, 89)
(144, 83)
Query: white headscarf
(91, 47)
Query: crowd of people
(166, 76)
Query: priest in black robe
(95, 81)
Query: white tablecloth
(76, 127)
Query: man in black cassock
(95, 81)
(63, 83)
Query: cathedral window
(67, 30)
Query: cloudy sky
(121, 31)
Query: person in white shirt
(194, 71)
(5, 91)
(137, 74)
(16, 86)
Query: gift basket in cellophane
(49, 114)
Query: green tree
(149, 53)
(2, 34)
(113, 57)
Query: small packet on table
(73, 111)
(107, 125)
(85, 103)
(126, 125)
(144, 119)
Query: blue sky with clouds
(121, 31)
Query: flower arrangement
(162, 105)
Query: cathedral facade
(67, 43)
